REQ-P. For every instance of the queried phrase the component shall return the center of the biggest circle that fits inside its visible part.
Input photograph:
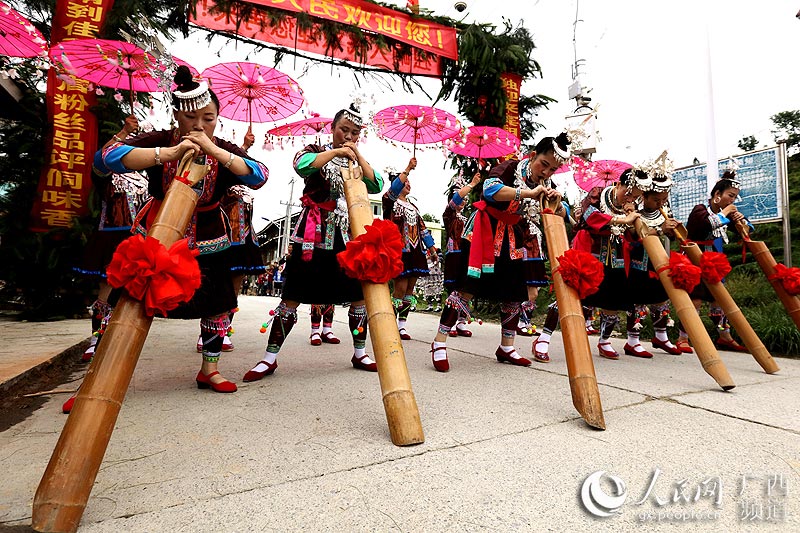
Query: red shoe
(540, 357)
(67, 407)
(404, 334)
(608, 353)
(330, 338)
(204, 382)
(359, 364)
(454, 333)
(631, 350)
(674, 350)
(590, 330)
(227, 344)
(683, 346)
(504, 357)
(315, 339)
(254, 375)
(462, 332)
(731, 345)
(88, 354)
(442, 365)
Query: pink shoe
(441, 365)
(315, 339)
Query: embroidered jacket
(324, 205)
(209, 229)
(406, 217)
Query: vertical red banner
(511, 85)
(65, 182)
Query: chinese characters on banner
(66, 177)
(288, 35)
(511, 85)
(429, 36)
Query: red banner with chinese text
(511, 85)
(288, 35)
(429, 36)
(65, 182)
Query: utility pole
(287, 221)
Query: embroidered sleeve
(456, 201)
(491, 186)
(376, 186)
(395, 189)
(595, 219)
(112, 157)
(302, 163)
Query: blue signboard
(760, 197)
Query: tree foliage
(748, 144)
(787, 128)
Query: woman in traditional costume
(417, 243)
(322, 231)
(605, 230)
(196, 110)
(499, 267)
(454, 221)
(708, 227)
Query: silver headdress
(353, 113)
(193, 99)
(730, 173)
(561, 148)
(659, 174)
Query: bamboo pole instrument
(767, 263)
(402, 414)
(67, 482)
(724, 299)
(703, 346)
(580, 368)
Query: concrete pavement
(308, 448)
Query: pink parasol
(599, 173)
(250, 92)
(115, 64)
(484, 142)
(416, 124)
(18, 37)
(314, 125)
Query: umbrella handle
(130, 89)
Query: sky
(650, 67)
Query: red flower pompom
(789, 278)
(684, 274)
(162, 279)
(376, 255)
(714, 266)
(582, 271)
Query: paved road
(308, 448)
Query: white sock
(661, 334)
(544, 337)
(439, 355)
(461, 324)
(226, 341)
(510, 351)
(633, 338)
(359, 352)
(264, 364)
(327, 329)
(401, 323)
(604, 342)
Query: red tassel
(162, 279)
(582, 271)
(789, 278)
(376, 255)
(684, 274)
(714, 266)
